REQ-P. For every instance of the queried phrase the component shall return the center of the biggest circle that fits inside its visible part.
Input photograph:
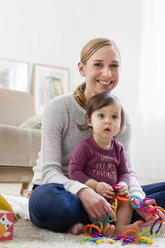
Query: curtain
(149, 131)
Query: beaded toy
(97, 237)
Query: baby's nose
(107, 122)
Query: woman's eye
(114, 65)
(98, 64)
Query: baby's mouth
(107, 129)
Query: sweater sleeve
(53, 124)
(125, 138)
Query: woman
(61, 204)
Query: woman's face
(101, 71)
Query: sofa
(20, 137)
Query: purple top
(89, 161)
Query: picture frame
(14, 74)
(48, 82)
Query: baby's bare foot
(108, 230)
(137, 226)
(76, 229)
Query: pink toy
(6, 225)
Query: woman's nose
(107, 72)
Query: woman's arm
(54, 128)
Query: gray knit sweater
(60, 136)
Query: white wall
(54, 31)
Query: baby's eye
(101, 116)
(114, 117)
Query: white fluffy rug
(26, 235)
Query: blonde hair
(93, 45)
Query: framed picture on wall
(14, 74)
(48, 82)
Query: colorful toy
(13, 246)
(4, 205)
(27, 193)
(98, 238)
(6, 225)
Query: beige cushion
(33, 122)
(19, 146)
(20, 136)
(15, 107)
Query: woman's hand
(160, 214)
(105, 190)
(148, 204)
(94, 204)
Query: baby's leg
(124, 215)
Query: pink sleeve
(77, 162)
(123, 171)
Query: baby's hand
(105, 190)
(122, 189)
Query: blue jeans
(52, 207)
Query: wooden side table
(16, 174)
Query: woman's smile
(103, 82)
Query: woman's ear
(81, 69)
(89, 121)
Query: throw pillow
(33, 122)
